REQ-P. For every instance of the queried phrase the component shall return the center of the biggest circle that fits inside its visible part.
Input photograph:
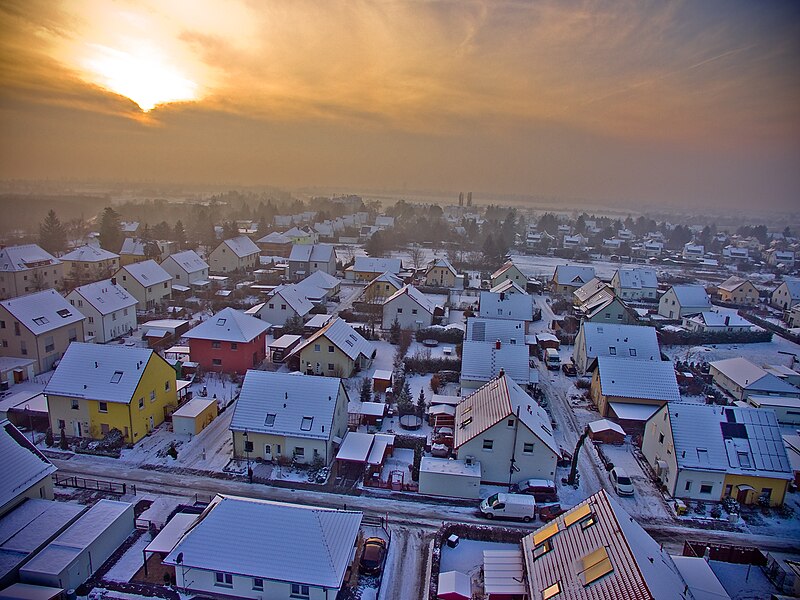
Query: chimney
(502, 372)
(727, 319)
(113, 281)
(497, 344)
(502, 295)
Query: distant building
(440, 273)
(234, 255)
(635, 283)
(409, 307)
(568, 278)
(306, 259)
(509, 272)
(148, 282)
(286, 302)
(712, 321)
(628, 341)
(336, 350)
(787, 294)
(366, 269)
(382, 287)
(186, 268)
(89, 263)
(737, 290)
(682, 300)
(26, 269)
(275, 244)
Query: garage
(194, 416)
(452, 478)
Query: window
(41, 320)
(527, 448)
(299, 591)
(64, 313)
(16, 328)
(91, 319)
(116, 377)
(141, 403)
(331, 367)
(75, 404)
(217, 362)
(299, 452)
(488, 444)
(551, 590)
(104, 428)
(305, 425)
(619, 317)
(234, 346)
(221, 321)
(272, 305)
(511, 422)
(543, 548)
(216, 345)
(223, 579)
(61, 424)
(399, 311)
(49, 344)
(102, 407)
(317, 348)
(23, 348)
(72, 334)
(744, 459)
(612, 350)
(2, 324)
(588, 522)
(414, 311)
(166, 386)
(632, 351)
(660, 438)
(688, 486)
(706, 488)
(595, 565)
(152, 395)
(283, 307)
(270, 420)
(331, 349)
(258, 584)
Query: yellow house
(509, 272)
(736, 290)
(382, 287)
(367, 268)
(440, 273)
(99, 388)
(336, 350)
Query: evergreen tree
(62, 442)
(366, 390)
(52, 234)
(229, 230)
(293, 326)
(162, 231)
(111, 230)
(179, 234)
(394, 332)
(421, 404)
(262, 227)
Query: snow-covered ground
(467, 557)
(130, 562)
(742, 582)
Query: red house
(228, 342)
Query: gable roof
(255, 535)
(23, 464)
(109, 373)
(291, 399)
(490, 330)
(495, 401)
(42, 311)
(275, 238)
(295, 296)
(441, 263)
(646, 379)
(637, 278)
(506, 306)
(734, 440)
(391, 278)
(793, 287)
(228, 325)
(589, 289)
(576, 275)
(134, 246)
(712, 318)
(506, 266)
(105, 296)
(368, 264)
(732, 283)
(601, 302)
(242, 246)
(311, 253)
(751, 377)
(691, 295)
(147, 272)
(421, 299)
(24, 257)
(629, 563)
(344, 337)
(599, 338)
(482, 361)
(508, 285)
(189, 261)
(321, 279)
(89, 254)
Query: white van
(551, 359)
(509, 506)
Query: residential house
(287, 414)
(319, 280)
(491, 330)
(187, 269)
(597, 550)
(568, 278)
(26, 471)
(635, 283)
(286, 302)
(229, 342)
(741, 378)
(508, 287)
(517, 307)
(26, 269)
(628, 341)
(509, 272)
(504, 429)
(336, 350)
(706, 452)
(576, 241)
(275, 244)
(410, 308)
(589, 289)
(129, 228)
(737, 290)
(612, 244)
(302, 235)
(682, 300)
(713, 321)
(784, 258)
(239, 254)
(735, 254)
(89, 263)
(99, 388)
(384, 222)
(482, 361)
(537, 238)
(366, 268)
(786, 295)
(148, 282)
(440, 273)
(109, 309)
(630, 391)
(605, 307)
(693, 251)
(793, 318)
(248, 548)
(382, 287)
(39, 326)
(306, 259)
(653, 248)
(136, 250)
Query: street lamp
(248, 446)
(30, 422)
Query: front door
(267, 452)
(151, 423)
(76, 428)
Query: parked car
(373, 555)
(543, 490)
(550, 512)
(569, 369)
(621, 481)
(551, 359)
(509, 506)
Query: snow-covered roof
(194, 407)
(285, 341)
(355, 447)
(611, 558)
(89, 254)
(228, 325)
(171, 533)
(507, 285)
(733, 282)
(646, 379)
(109, 373)
(493, 403)
(638, 278)
(390, 278)
(189, 261)
(147, 272)
(275, 238)
(589, 289)
(421, 299)
(693, 296)
(630, 411)
(368, 264)
(271, 540)
(321, 279)
(441, 263)
(698, 575)
(105, 297)
(506, 266)
(431, 464)
(311, 253)
(25, 257)
(242, 246)
(454, 583)
(134, 246)
(792, 287)
(630, 341)
(576, 275)
(287, 404)
(490, 330)
(506, 306)
(296, 297)
(710, 318)
(481, 361)
(23, 464)
(751, 377)
(43, 311)
(733, 440)
(344, 337)
(318, 321)
(605, 425)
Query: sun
(144, 76)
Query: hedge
(421, 366)
(452, 335)
(697, 338)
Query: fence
(98, 485)
(742, 555)
(770, 326)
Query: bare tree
(417, 256)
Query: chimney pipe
(113, 281)
(497, 344)
(727, 319)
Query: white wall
(449, 484)
(205, 581)
(276, 315)
(408, 318)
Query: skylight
(270, 420)
(115, 378)
(576, 515)
(305, 425)
(595, 565)
(221, 322)
(545, 533)
(41, 320)
(64, 313)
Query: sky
(677, 103)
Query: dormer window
(305, 425)
(64, 313)
(116, 377)
(270, 420)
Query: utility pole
(512, 467)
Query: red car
(550, 512)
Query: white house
(284, 414)
(236, 254)
(518, 307)
(286, 302)
(574, 241)
(186, 268)
(695, 251)
(635, 283)
(780, 257)
(410, 307)
(499, 423)
(483, 361)
(146, 281)
(306, 259)
(109, 309)
(787, 294)
(712, 321)
(248, 548)
(602, 339)
(26, 471)
(681, 300)
(741, 378)
(491, 330)
(653, 248)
